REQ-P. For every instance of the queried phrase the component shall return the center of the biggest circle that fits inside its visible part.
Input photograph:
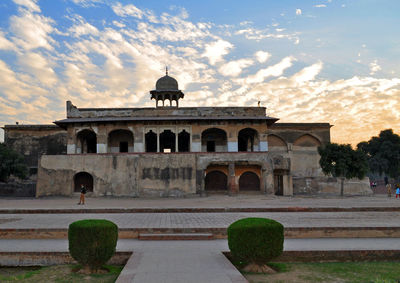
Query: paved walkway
(193, 261)
(203, 220)
(214, 201)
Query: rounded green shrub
(92, 242)
(255, 240)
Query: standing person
(83, 192)
(389, 190)
(398, 191)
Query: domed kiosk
(166, 90)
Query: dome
(166, 83)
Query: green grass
(359, 272)
(349, 272)
(57, 273)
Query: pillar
(233, 187)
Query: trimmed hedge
(92, 242)
(255, 240)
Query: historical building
(177, 151)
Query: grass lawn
(56, 273)
(354, 272)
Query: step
(175, 236)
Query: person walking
(83, 192)
(398, 191)
(389, 190)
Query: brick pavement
(203, 220)
(215, 201)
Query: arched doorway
(214, 140)
(183, 141)
(248, 140)
(120, 141)
(167, 141)
(216, 181)
(87, 141)
(151, 141)
(249, 181)
(83, 178)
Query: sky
(332, 61)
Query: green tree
(383, 153)
(341, 161)
(11, 163)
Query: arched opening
(216, 181)
(120, 141)
(87, 141)
(307, 141)
(183, 141)
(167, 141)
(276, 143)
(83, 178)
(278, 182)
(213, 140)
(248, 140)
(151, 141)
(249, 181)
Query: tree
(11, 163)
(341, 161)
(383, 153)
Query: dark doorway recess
(83, 178)
(214, 140)
(167, 141)
(249, 181)
(88, 141)
(246, 139)
(216, 181)
(123, 147)
(183, 141)
(278, 184)
(151, 142)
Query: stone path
(193, 261)
(241, 201)
(203, 220)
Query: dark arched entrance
(167, 141)
(249, 181)
(151, 141)
(183, 141)
(83, 178)
(87, 141)
(216, 181)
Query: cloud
(307, 74)
(374, 67)
(29, 4)
(234, 68)
(320, 6)
(262, 56)
(260, 34)
(5, 44)
(216, 50)
(298, 12)
(31, 31)
(272, 71)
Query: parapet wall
(74, 112)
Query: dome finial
(166, 70)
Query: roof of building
(166, 83)
(63, 123)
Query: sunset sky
(330, 61)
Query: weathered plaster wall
(32, 141)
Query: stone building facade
(178, 151)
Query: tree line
(379, 155)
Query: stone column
(101, 139)
(233, 187)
